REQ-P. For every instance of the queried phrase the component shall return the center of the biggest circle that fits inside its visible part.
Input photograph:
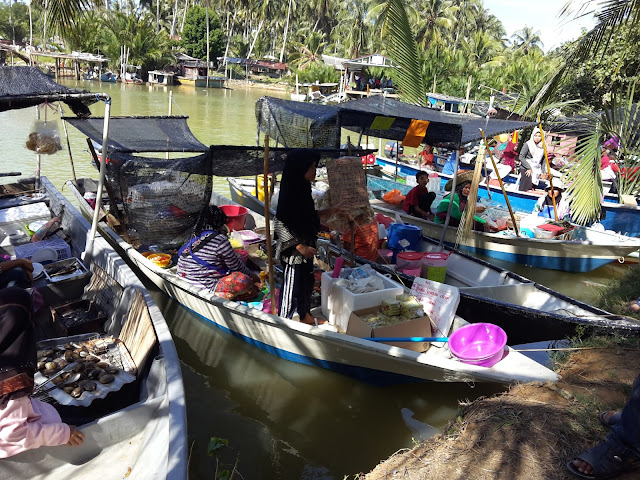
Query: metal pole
(88, 253)
(267, 213)
(38, 156)
(170, 110)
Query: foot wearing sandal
(610, 418)
(309, 320)
(601, 462)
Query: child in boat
(209, 261)
(418, 201)
(25, 423)
(463, 187)
(544, 206)
(427, 157)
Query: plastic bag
(44, 138)
(394, 196)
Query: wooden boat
(494, 292)
(588, 250)
(139, 431)
(357, 357)
(144, 428)
(200, 81)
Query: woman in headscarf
(531, 156)
(544, 206)
(209, 261)
(460, 200)
(296, 226)
(25, 423)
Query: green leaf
(215, 445)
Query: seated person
(366, 241)
(25, 423)
(427, 157)
(209, 257)
(16, 273)
(418, 201)
(544, 206)
(450, 167)
(509, 155)
(463, 187)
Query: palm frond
(403, 50)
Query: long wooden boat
(578, 255)
(142, 434)
(357, 357)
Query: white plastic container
(338, 302)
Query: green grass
(619, 292)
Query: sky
(541, 15)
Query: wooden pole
(504, 192)
(66, 134)
(267, 213)
(170, 111)
(546, 159)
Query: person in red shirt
(427, 156)
(419, 199)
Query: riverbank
(532, 430)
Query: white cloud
(542, 16)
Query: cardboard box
(418, 327)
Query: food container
(479, 344)
(409, 263)
(236, 216)
(542, 233)
(163, 260)
(64, 270)
(434, 266)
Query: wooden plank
(138, 333)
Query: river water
(282, 420)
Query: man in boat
(418, 201)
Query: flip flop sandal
(605, 461)
(611, 420)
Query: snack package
(44, 138)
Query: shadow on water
(286, 420)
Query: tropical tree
(194, 35)
(527, 40)
(435, 21)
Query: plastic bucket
(434, 266)
(403, 237)
(478, 344)
(409, 263)
(236, 216)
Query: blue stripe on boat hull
(368, 375)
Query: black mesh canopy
(22, 87)
(296, 123)
(142, 134)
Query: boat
(145, 427)
(109, 77)
(157, 77)
(491, 291)
(200, 81)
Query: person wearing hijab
(209, 257)
(544, 206)
(25, 423)
(296, 228)
(531, 156)
(460, 200)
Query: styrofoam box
(338, 302)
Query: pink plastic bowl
(478, 344)
(243, 254)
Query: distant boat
(109, 77)
(201, 81)
(157, 77)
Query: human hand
(306, 251)
(76, 437)
(25, 264)
(528, 173)
(480, 209)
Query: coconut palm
(527, 40)
(435, 21)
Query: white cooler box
(338, 302)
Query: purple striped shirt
(216, 251)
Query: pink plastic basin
(478, 344)
(243, 254)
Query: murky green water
(282, 420)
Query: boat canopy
(300, 124)
(142, 134)
(22, 87)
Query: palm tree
(435, 21)
(527, 40)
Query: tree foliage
(194, 35)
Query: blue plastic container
(401, 237)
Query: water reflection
(295, 421)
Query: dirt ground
(530, 432)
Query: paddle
(406, 339)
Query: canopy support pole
(504, 192)
(267, 213)
(454, 181)
(66, 134)
(88, 253)
(546, 159)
